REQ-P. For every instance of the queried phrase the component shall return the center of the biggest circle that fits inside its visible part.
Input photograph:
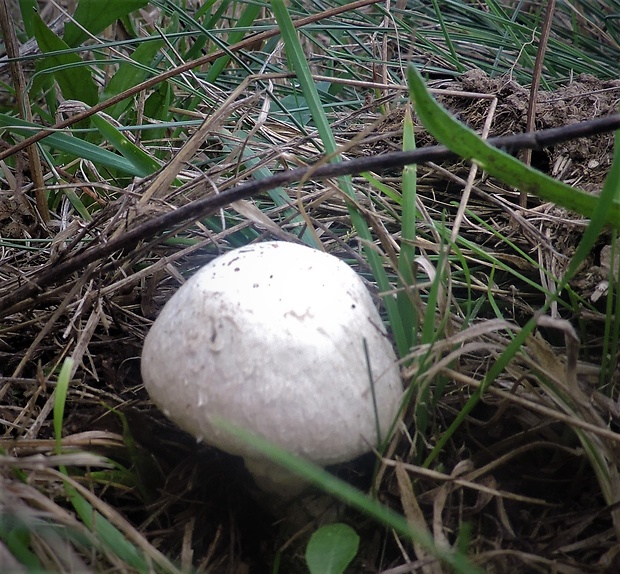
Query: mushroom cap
(270, 337)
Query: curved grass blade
(71, 145)
(466, 143)
(60, 398)
(601, 210)
(353, 497)
(142, 162)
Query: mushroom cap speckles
(271, 337)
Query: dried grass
(516, 471)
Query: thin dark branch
(167, 224)
(536, 76)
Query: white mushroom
(270, 337)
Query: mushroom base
(274, 479)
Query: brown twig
(21, 94)
(536, 75)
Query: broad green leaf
(331, 549)
(71, 145)
(71, 73)
(141, 161)
(95, 16)
(466, 143)
(129, 74)
(295, 108)
(28, 8)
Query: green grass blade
(446, 37)
(611, 335)
(353, 497)
(606, 202)
(77, 204)
(129, 74)
(299, 63)
(501, 24)
(60, 399)
(71, 73)
(17, 536)
(143, 164)
(71, 145)
(95, 16)
(278, 195)
(464, 142)
(406, 257)
(383, 188)
(111, 538)
(250, 13)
